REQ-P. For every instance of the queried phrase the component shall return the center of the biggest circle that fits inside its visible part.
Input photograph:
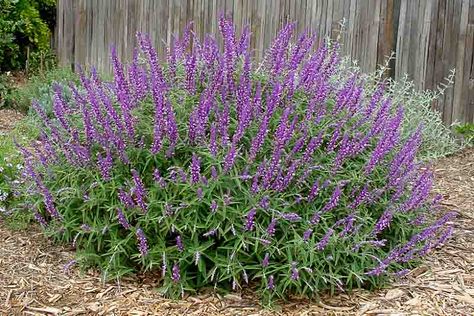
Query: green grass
(14, 214)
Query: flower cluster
(217, 170)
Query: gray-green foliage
(38, 88)
(438, 139)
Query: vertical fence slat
(430, 37)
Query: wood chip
(394, 294)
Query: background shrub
(38, 87)
(218, 171)
(438, 140)
(466, 132)
(21, 28)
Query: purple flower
(142, 242)
(230, 158)
(68, 266)
(387, 142)
(270, 284)
(383, 222)
(266, 260)
(265, 202)
(314, 191)
(183, 175)
(125, 199)
(86, 228)
(271, 227)
(158, 178)
(401, 273)
(227, 199)
(195, 169)
(348, 223)
(105, 165)
(179, 243)
(291, 217)
(40, 219)
(139, 191)
(213, 206)
(212, 232)
(213, 173)
(264, 242)
(325, 240)
(123, 94)
(250, 219)
(200, 193)
(190, 66)
(333, 201)
(315, 218)
(307, 234)
(295, 275)
(213, 140)
(175, 276)
(362, 197)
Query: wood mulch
(8, 119)
(33, 280)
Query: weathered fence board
(430, 37)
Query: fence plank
(429, 36)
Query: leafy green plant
(5, 88)
(22, 32)
(220, 172)
(466, 131)
(11, 168)
(39, 87)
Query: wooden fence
(430, 37)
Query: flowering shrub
(217, 171)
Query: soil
(34, 281)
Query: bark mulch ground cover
(33, 280)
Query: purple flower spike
(139, 191)
(291, 217)
(383, 222)
(266, 260)
(158, 178)
(295, 275)
(333, 201)
(272, 227)
(179, 243)
(250, 219)
(325, 240)
(142, 242)
(126, 199)
(270, 284)
(307, 234)
(200, 193)
(265, 202)
(195, 169)
(122, 219)
(175, 276)
(210, 233)
(214, 173)
(86, 228)
(213, 206)
(315, 218)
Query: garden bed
(33, 280)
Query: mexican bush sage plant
(215, 170)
